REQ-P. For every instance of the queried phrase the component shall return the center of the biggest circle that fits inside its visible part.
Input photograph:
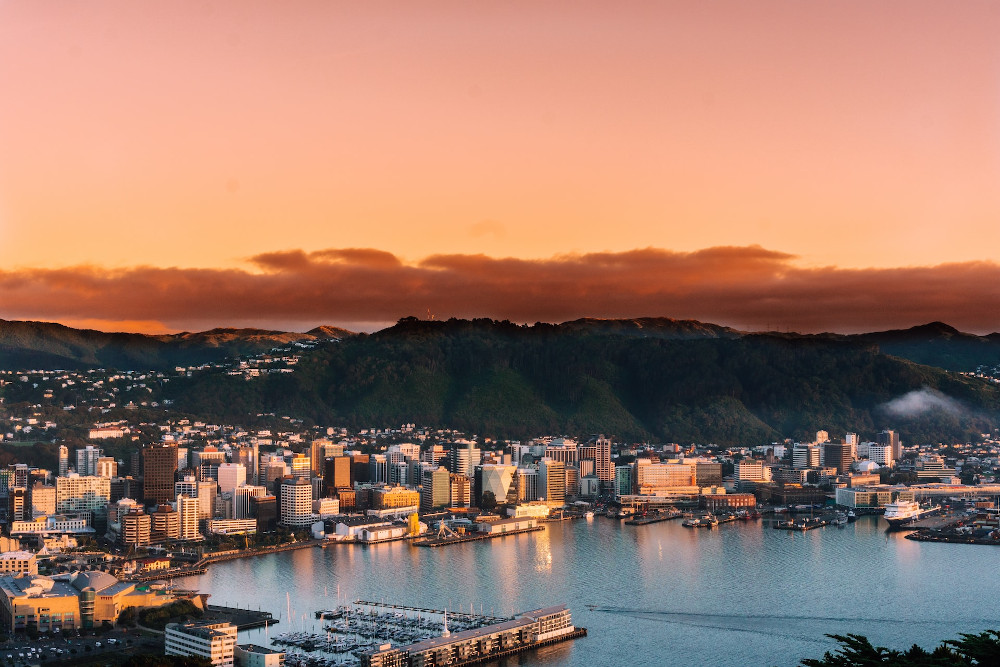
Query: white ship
(903, 512)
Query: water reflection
(741, 594)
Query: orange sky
(198, 135)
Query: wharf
(422, 610)
(476, 537)
(950, 538)
(243, 619)
(479, 660)
(653, 518)
(249, 553)
(803, 524)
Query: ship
(903, 512)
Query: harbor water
(659, 594)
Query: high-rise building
(837, 455)
(459, 490)
(881, 454)
(243, 507)
(43, 500)
(187, 509)
(63, 460)
(107, 467)
(378, 469)
(337, 474)
(265, 509)
(136, 528)
(86, 460)
(605, 470)
(805, 456)
(77, 494)
(496, 479)
(708, 473)
(623, 480)
(165, 524)
(231, 475)
(300, 465)
(464, 459)
(296, 502)
(159, 463)
(552, 482)
(891, 438)
(526, 480)
(435, 492)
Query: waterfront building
(435, 490)
(498, 479)
(528, 630)
(86, 460)
(76, 493)
(251, 655)
(69, 602)
(215, 642)
(603, 467)
(296, 502)
(266, 511)
(231, 526)
(527, 484)
(671, 478)
(159, 464)
(552, 482)
(529, 510)
(723, 501)
(394, 497)
(623, 480)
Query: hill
(655, 382)
(49, 345)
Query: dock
(423, 610)
(654, 517)
(474, 537)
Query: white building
(76, 493)
(251, 655)
(881, 454)
(187, 508)
(214, 641)
(296, 503)
(231, 475)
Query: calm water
(741, 594)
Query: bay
(661, 594)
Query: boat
(588, 515)
(851, 516)
(903, 512)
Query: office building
(435, 492)
(215, 642)
(603, 466)
(77, 494)
(243, 495)
(891, 438)
(159, 463)
(552, 482)
(86, 460)
(296, 502)
(805, 456)
(107, 467)
(187, 510)
(63, 460)
(230, 476)
(837, 455)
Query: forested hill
(661, 380)
(46, 345)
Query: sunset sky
(806, 165)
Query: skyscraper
(605, 471)
(159, 464)
(63, 460)
(86, 460)
(890, 437)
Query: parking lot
(69, 648)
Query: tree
(857, 651)
(488, 502)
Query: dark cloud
(745, 287)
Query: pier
(441, 612)
(653, 517)
(474, 537)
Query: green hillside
(496, 378)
